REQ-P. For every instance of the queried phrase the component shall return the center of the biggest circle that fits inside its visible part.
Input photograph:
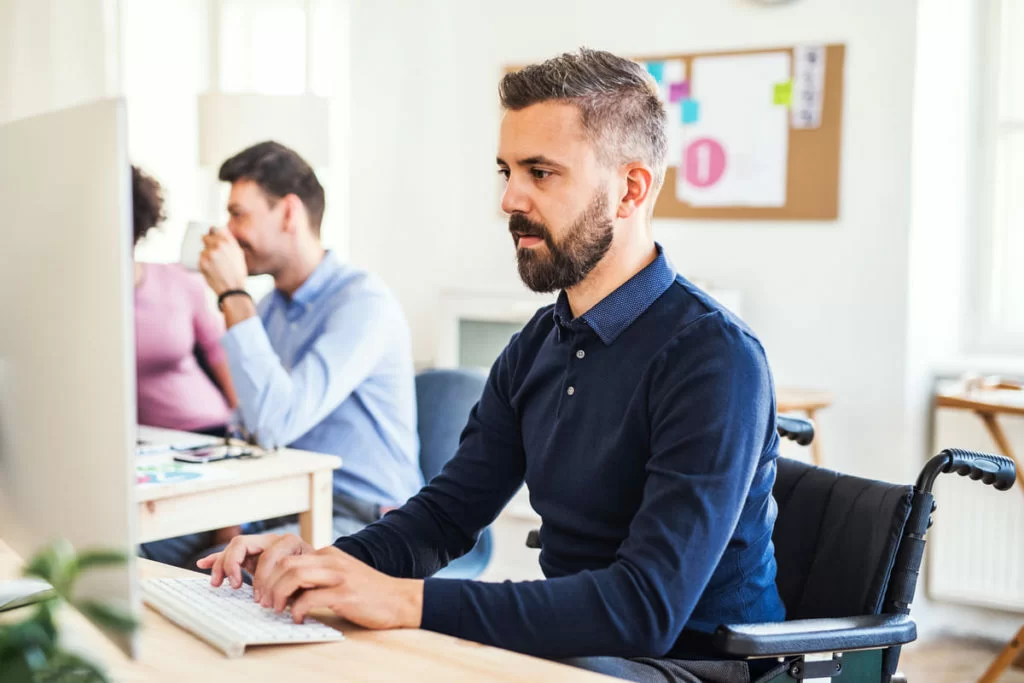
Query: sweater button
(580, 354)
(571, 390)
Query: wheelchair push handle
(795, 428)
(995, 470)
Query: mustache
(521, 226)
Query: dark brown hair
(278, 171)
(147, 203)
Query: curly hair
(147, 203)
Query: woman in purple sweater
(183, 377)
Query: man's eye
(539, 174)
(503, 172)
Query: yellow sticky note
(783, 93)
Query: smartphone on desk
(214, 454)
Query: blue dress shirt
(330, 370)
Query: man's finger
(224, 234)
(313, 599)
(217, 568)
(207, 562)
(299, 573)
(283, 547)
(229, 565)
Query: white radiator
(976, 547)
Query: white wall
(864, 306)
(165, 57)
(828, 299)
(167, 62)
(944, 142)
(56, 54)
(942, 232)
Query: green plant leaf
(66, 667)
(107, 616)
(35, 657)
(57, 565)
(89, 559)
(31, 634)
(41, 566)
(28, 650)
(15, 669)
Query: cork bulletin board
(754, 134)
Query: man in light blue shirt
(328, 370)
(323, 363)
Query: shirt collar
(620, 309)
(315, 284)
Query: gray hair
(621, 109)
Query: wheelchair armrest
(805, 636)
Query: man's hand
(329, 578)
(253, 554)
(222, 262)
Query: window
(291, 47)
(1000, 282)
(264, 46)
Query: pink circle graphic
(705, 162)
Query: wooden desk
(280, 483)
(988, 404)
(809, 402)
(170, 654)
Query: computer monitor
(67, 342)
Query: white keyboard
(228, 619)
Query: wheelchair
(849, 553)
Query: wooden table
(808, 402)
(170, 654)
(988, 404)
(282, 482)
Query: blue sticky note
(657, 69)
(690, 110)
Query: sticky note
(690, 110)
(783, 93)
(678, 91)
(656, 69)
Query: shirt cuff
(350, 546)
(442, 604)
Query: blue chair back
(444, 399)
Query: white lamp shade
(230, 122)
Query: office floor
(952, 661)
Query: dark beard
(568, 262)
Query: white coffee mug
(192, 244)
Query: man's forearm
(237, 308)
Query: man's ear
(638, 190)
(291, 212)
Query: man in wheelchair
(641, 415)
